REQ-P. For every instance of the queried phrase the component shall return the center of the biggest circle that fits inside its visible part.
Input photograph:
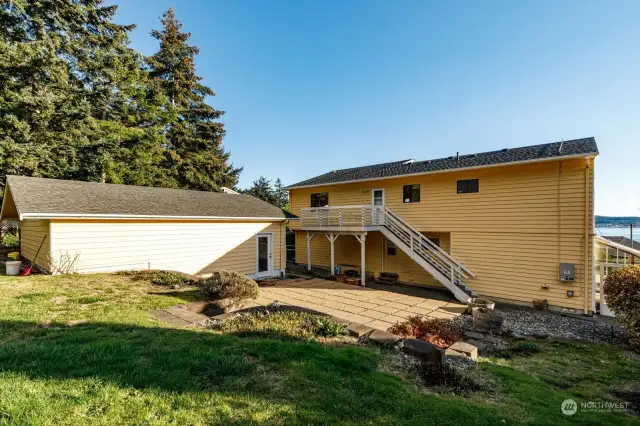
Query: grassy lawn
(83, 350)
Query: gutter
(132, 216)
(459, 169)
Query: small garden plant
(436, 331)
(281, 324)
(162, 278)
(622, 292)
(229, 285)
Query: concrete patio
(377, 306)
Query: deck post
(309, 237)
(363, 267)
(332, 238)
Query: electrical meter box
(567, 272)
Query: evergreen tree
(282, 196)
(262, 189)
(75, 102)
(194, 137)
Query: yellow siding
(513, 233)
(198, 248)
(32, 234)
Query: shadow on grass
(324, 384)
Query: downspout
(586, 238)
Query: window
(435, 241)
(468, 185)
(319, 199)
(377, 196)
(391, 248)
(411, 193)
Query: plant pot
(478, 302)
(12, 267)
(487, 319)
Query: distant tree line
(617, 221)
(77, 102)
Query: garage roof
(54, 198)
(527, 154)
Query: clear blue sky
(311, 86)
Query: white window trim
(269, 273)
(384, 195)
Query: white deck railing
(372, 218)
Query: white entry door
(377, 197)
(264, 266)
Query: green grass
(83, 350)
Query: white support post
(332, 238)
(309, 238)
(363, 266)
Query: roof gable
(544, 152)
(37, 197)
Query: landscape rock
(358, 330)
(540, 335)
(383, 338)
(496, 341)
(461, 348)
(474, 335)
(425, 351)
(482, 347)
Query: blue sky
(311, 86)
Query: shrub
(446, 378)
(622, 293)
(283, 324)
(229, 285)
(163, 278)
(436, 331)
(10, 240)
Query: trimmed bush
(229, 285)
(622, 293)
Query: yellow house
(95, 227)
(513, 225)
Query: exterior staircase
(444, 267)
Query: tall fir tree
(75, 101)
(194, 137)
(263, 190)
(282, 195)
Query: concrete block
(423, 350)
(383, 338)
(358, 330)
(462, 349)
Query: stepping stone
(423, 350)
(383, 338)
(342, 321)
(462, 349)
(190, 317)
(166, 317)
(358, 330)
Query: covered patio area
(377, 306)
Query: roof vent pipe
(457, 156)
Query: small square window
(468, 185)
(319, 199)
(411, 194)
(391, 249)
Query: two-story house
(513, 225)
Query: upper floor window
(319, 199)
(411, 193)
(468, 185)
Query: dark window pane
(263, 254)
(411, 193)
(435, 241)
(391, 249)
(462, 186)
(319, 199)
(473, 185)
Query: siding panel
(197, 248)
(32, 233)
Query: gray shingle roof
(625, 241)
(53, 196)
(574, 147)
